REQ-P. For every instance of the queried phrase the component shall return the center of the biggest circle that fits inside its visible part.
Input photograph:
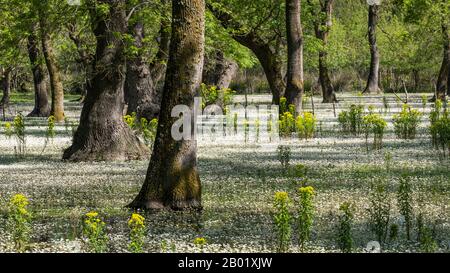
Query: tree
(267, 50)
(102, 133)
(294, 84)
(321, 11)
(373, 79)
(218, 70)
(56, 86)
(41, 107)
(6, 87)
(172, 179)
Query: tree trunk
(141, 95)
(41, 107)
(267, 56)
(172, 178)
(6, 87)
(443, 81)
(294, 84)
(159, 63)
(102, 133)
(57, 106)
(373, 80)
(221, 73)
(322, 25)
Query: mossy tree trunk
(102, 133)
(443, 80)
(172, 179)
(41, 106)
(56, 86)
(294, 84)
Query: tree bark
(373, 79)
(57, 106)
(294, 84)
(159, 63)
(102, 133)
(172, 178)
(6, 87)
(221, 72)
(41, 106)
(267, 56)
(141, 95)
(443, 81)
(322, 25)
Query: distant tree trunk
(322, 25)
(57, 106)
(159, 63)
(221, 73)
(294, 84)
(443, 81)
(140, 93)
(41, 106)
(102, 133)
(172, 178)
(84, 57)
(266, 54)
(6, 87)
(373, 80)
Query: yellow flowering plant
(282, 220)
(136, 224)
(305, 210)
(8, 129)
(200, 242)
(19, 221)
(94, 230)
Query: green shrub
(283, 105)
(379, 210)
(344, 230)
(143, 127)
(19, 221)
(305, 215)
(284, 156)
(351, 120)
(137, 233)
(7, 128)
(211, 95)
(440, 128)
(374, 125)
(406, 122)
(287, 124)
(305, 125)
(19, 132)
(94, 230)
(282, 220)
(405, 203)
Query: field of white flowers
(239, 181)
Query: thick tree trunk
(6, 87)
(266, 55)
(102, 133)
(221, 72)
(57, 106)
(41, 106)
(294, 84)
(141, 95)
(172, 178)
(373, 79)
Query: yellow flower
(136, 221)
(91, 214)
(8, 125)
(281, 196)
(19, 201)
(308, 190)
(200, 241)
